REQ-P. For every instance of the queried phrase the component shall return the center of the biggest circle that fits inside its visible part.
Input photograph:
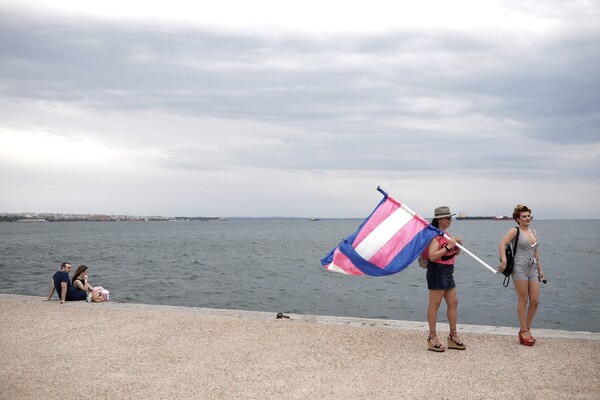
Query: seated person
(63, 286)
(80, 281)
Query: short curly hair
(518, 210)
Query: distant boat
(33, 220)
(315, 219)
(463, 216)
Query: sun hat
(443, 211)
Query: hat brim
(444, 215)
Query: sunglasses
(526, 216)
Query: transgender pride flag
(391, 238)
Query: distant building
(98, 218)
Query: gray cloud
(210, 73)
(491, 102)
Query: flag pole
(474, 256)
(479, 260)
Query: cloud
(160, 99)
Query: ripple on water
(273, 265)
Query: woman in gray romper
(527, 271)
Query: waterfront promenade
(126, 351)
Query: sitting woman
(80, 281)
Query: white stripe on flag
(334, 268)
(383, 233)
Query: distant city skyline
(128, 217)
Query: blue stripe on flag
(403, 259)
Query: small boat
(315, 219)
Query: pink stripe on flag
(344, 263)
(380, 214)
(391, 249)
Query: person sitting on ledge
(80, 281)
(63, 286)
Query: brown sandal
(433, 344)
(454, 342)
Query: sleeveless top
(525, 250)
(449, 256)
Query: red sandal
(525, 341)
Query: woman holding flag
(390, 239)
(441, 252)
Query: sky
(299, 108)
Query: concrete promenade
(126, 351)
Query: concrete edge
(325, 320)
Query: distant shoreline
(20, 217)
(121, 218)
(99, 218)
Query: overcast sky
(299, 108)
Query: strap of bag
(507, 278)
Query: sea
(273, 265)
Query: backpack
(422, 261)
(423, 258)
(510, 250)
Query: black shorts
(440, 276)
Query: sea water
(274, 266)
